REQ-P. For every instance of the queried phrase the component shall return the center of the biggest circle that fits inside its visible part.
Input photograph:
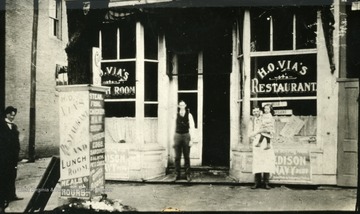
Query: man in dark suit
(9, 155)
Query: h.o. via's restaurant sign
(283, 76)
(120, 77)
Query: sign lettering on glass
(120, 77)
(283, 76)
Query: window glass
(260, 30)
(120, 77)
(288, 83)
(127, 41)
(306, 28)
(284, 76)
(353, 44)
(283, 29)
(151, 81)
(187, 71)
(55, 18)
(119, 109)
(282, 26)
(151, 110)
(151, 42)
(109, 41)
(289, 107)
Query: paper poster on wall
(117, 162)
(292, 164)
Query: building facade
(30, 62)
(222, 57)
(224, 60)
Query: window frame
(139, 70)
(55, 18)
(293, 51)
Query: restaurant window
(118, 65)
(284, 70)
(55, 18)
(118, 45)
(151, 91)
(151, 70)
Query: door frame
(197, 144)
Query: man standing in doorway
(183, 133)
(263, 159)
(9, 155)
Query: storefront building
(33, 38)
(223, 61)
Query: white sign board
(74, 129)
(292, 127)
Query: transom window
(283, 29)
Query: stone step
(205, 170)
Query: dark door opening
(216, 120)
(216, 106)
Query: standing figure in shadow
(182, 139)
(9, 156)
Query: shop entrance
(203, 82)
(216, 101)
(202, 45)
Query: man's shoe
(255, 186)
(177, 177)
(266, 186)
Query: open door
(190, 89)
(348, 133)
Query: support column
(140, 77)
(247, 74)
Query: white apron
(263, 160)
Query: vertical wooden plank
(140, 69)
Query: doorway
(216, 110)
(202, 44)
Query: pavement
(210, 191)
